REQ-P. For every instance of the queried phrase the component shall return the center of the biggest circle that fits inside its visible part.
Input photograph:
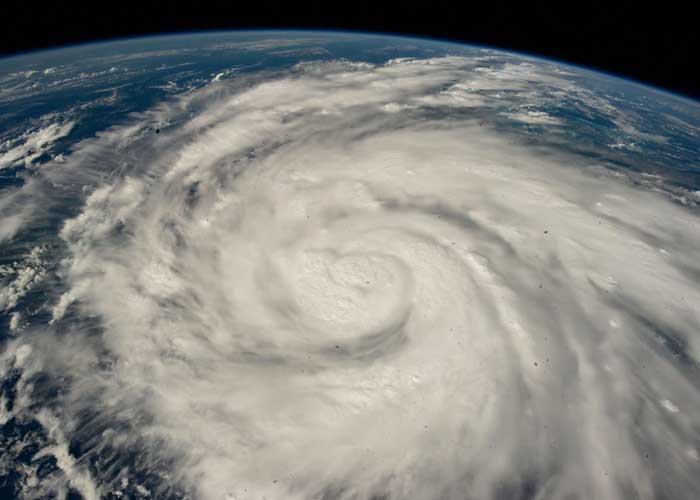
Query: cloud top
(351, 281)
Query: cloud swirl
(348, 281)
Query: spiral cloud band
(352, 281)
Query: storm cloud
(347, 281)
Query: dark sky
(658, 45)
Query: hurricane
(349, 280)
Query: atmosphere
(650, 42)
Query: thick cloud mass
(336, 283)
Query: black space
(657, 43)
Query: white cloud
(534, 117)
(15, 319)
(33, 144)
(331, 282)
(18, 279)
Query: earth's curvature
(310, 265)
